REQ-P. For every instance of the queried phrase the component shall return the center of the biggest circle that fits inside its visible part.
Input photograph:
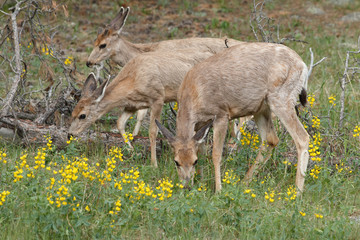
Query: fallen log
(28, 132)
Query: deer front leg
(153, 130)
(139, 118)
(121, 123)
(220, 127)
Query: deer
(111, 44)
(147, 81)
(248, 79)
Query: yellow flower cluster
(202, 188)
(40, 158)
(332, 100)
(341, 167)
(314, 147)
(291, 193)
(106, 174)
(265, 178)
(3, 196)
(302, 213)
(61, 196)
(176, 106)
(117, 185)
(356, 131)
(315, 122)
(18, 173)
(128, 137)
(71, 139)
(49, 142)
(142, 190)
(116, 208)
(315, 172)
(132, 175)
(165, 187)
(69, 173)
(69, 60)
(47, 51)
(318, 215)
(270, 196)
(286, 162)
(249, 139)
(115, 153)
(249, 191)
(23, 73)
(2, 157)
(231, 178)
(311, 99)
(29, 45)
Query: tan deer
(147, 81)
(248, 79)
(111, 44)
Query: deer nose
(89, 64)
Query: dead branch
(264, 26)
(35, 134)
(17, 78)
(312, 65)
(344, 80)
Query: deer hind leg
(153, 130)
(220, 127)
(121, 123)
(287, 115)
(269, 140)
(139, 118)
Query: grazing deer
(147, 81)
(110, 44)
(248, 79)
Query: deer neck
(185, 124)
(125, 50)
(123, 93)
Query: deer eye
(82, 116)
(102, 46)
(195, 162)
(177, 163)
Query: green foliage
(96, 192)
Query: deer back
(237, 81)
(111, 44)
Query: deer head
(87, 111)
(108, 40)
(185, 151)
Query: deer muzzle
(89, 64)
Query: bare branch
(343, 82)
(312, 65)
(10, 96)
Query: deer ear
(89, 85)
(201, 134)
(119, 21)
(169, 136)
(100, 30)
(100, 92)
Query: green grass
(27, 213)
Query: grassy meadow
(89, 190)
